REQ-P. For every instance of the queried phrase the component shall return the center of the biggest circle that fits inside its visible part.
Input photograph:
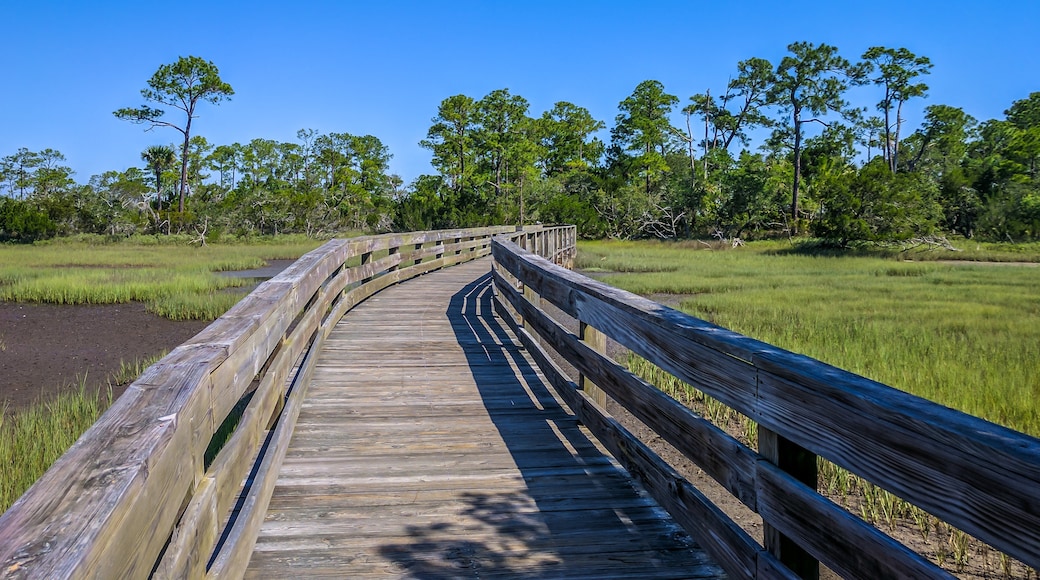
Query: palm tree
(159, 158)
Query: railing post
(458, 242)
(366, 257)
(800, 464)
(393, 250)
(532, 297)
(597, 341)
(417, 260)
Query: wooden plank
(108, 506)
(842, 541)
(376, 457)
(721, 456)
(730, 546)
(902, 443)
(597, 341)
(911, 447)
(794, 460)
(709, 357)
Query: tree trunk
(707, 106)
(797, 170)
(184, 164)
(888, 136)
(895, 144)
(158, 188)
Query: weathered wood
(231, 562)
(109, 506)
(398, 467)
(911, 447)
(902, 443)
(838, 538)
(721, 456)
(730, 546)
(799, 464)
(710, 358)
(597, 341)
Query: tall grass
(33, 439)
(177, 281)
(965, 336)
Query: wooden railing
(138, 495)
(982, 478)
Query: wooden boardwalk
(429, 446)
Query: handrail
(135, 495)
(980, 477)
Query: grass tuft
(173, 279)
(33, 439)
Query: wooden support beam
(597, 341)
(800, 464)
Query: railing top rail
(980, 477)
(107, 507)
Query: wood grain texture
(833, 535)
(455, 461)
(110, 505)
(736, 552)
(989, 474)
(721, 456)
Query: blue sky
(382, 67)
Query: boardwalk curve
(430, 446)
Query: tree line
(821, 166)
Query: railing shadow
(573, 501)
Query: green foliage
(20, 222)
(808, 84)
(875, 205)
(180, 85)
(642, 133)
(497, 162)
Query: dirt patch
(45, 349)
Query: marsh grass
(966, 336)
(174, 280)
(33, 439)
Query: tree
(810, 81)
(181, 85)
(877, 205)
(643, 128)
(226, 160)
(506, 148)
(451, 140)
(566, 138)
(897, 69)
(159, 158)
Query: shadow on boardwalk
(579, 516)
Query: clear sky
(381, 67)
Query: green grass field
(176, 280)
(964, 335)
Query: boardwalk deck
(429, 446)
